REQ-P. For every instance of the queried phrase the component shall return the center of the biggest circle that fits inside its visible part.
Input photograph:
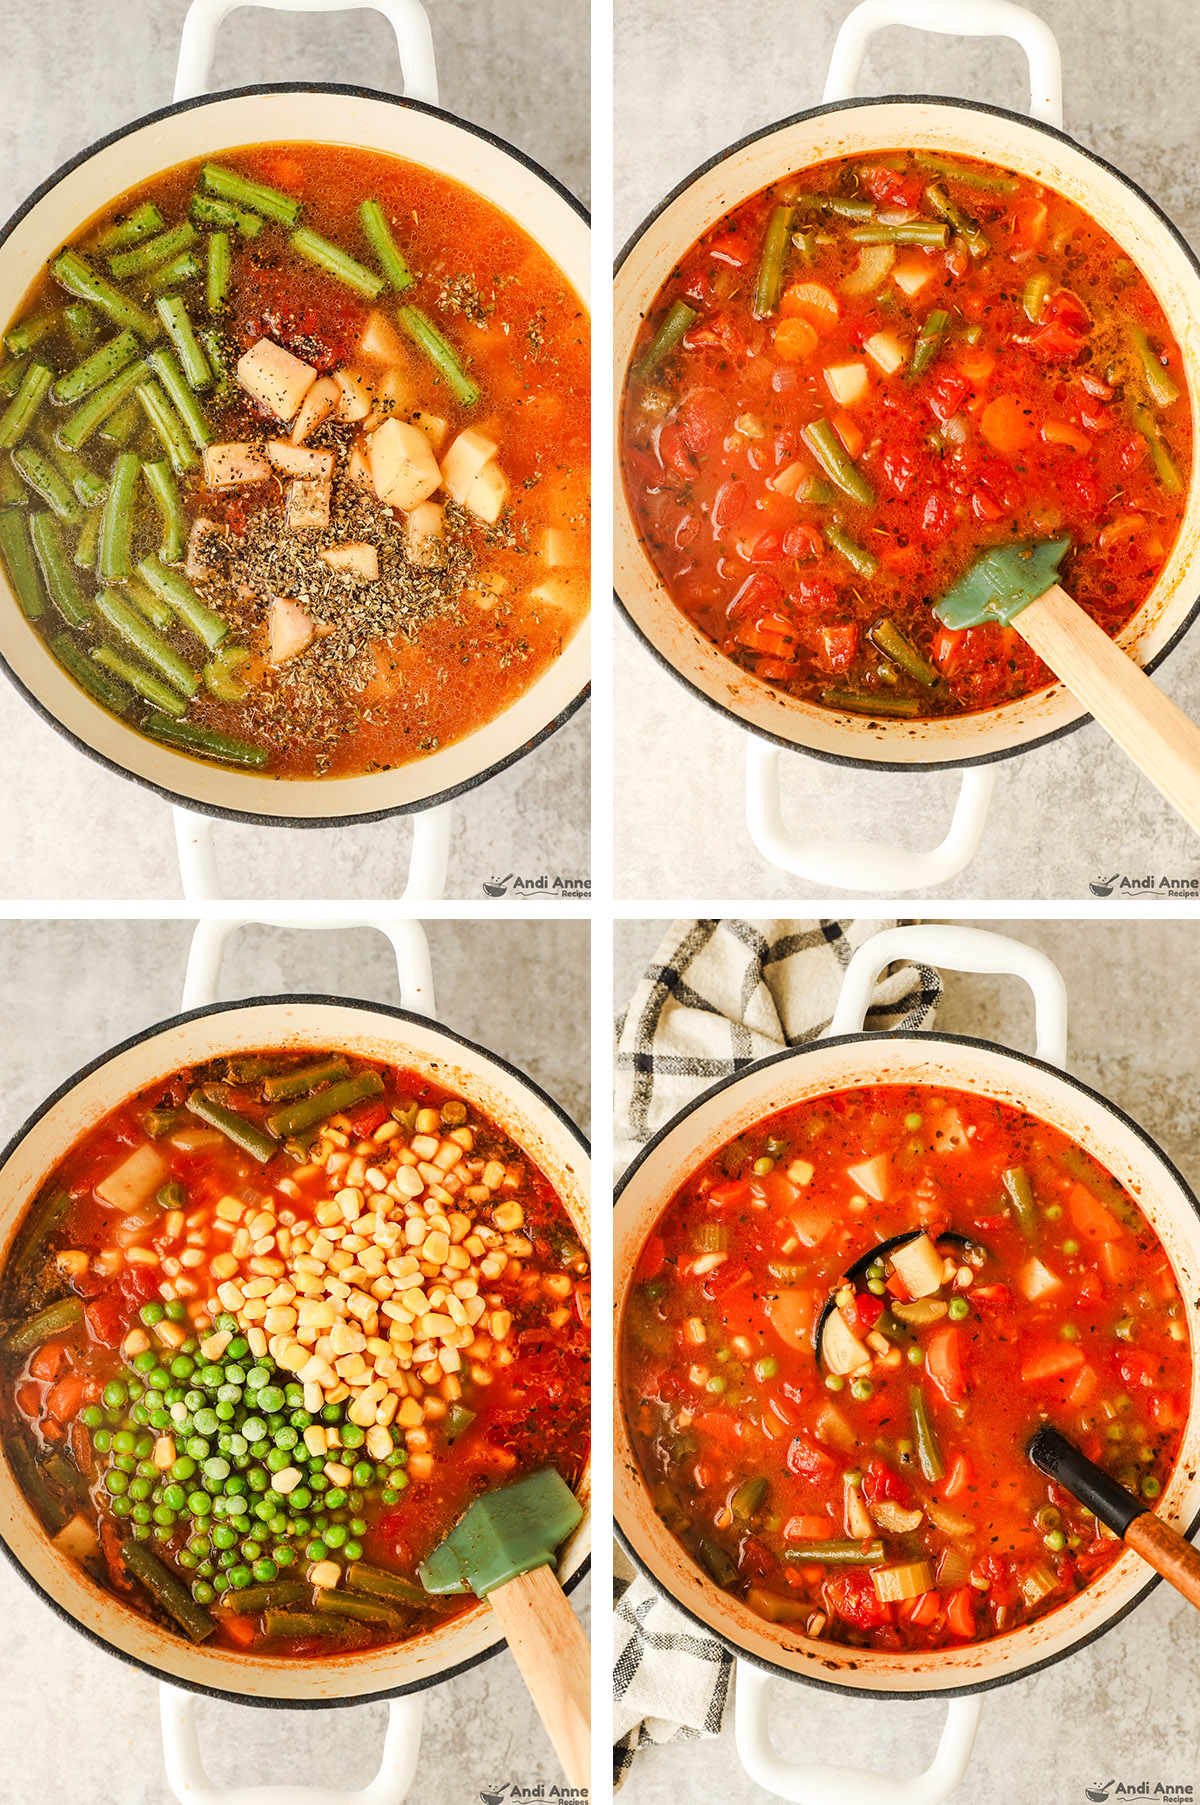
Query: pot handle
(954, 19)
(427, 860)
(861, 866)
(188, 1778)
(407, 937)
(408, 19)
(959, 949)
(816, 1784)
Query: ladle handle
(1167, 1552)
(408, 19)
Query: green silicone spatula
(502, 1548)
(1018, 585)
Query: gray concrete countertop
(84, 1727)
(692, 78)
(74, 70)
(1124, 1708)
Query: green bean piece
(976, 239)
(19, 563)
(11, 374)
(83, 328)
(842, 205)
(1165, 467)
(151, 688)
(222, 675)
(124, 425)
(381, 1583)
(857, 556)
(45, 1216)
(929, 1454)
(167, 1591)
(65, 1474)
(917, 231)
(54, 1511)
(363, 1610)
(243, 1133)
(40, 475)
(929, 341)
(239, 189)
(441, 354)
(388, 254)
(966, 178)
(206, 210)
(770, 269)
(337, 263)
(168, 426)
(24, 337)
(1033, 296)
(858, 701)
(302, 1080)
(172, 587)
(218, 273)
(21, 411)
(143, 222)
(13, 492)
(1159, 385)
(150, 253)
(1020, 1195)
(160, 481)
(249, 1068)
(204, 742)
(457, 1421)
(175, 274)
(716, 1562)
(679, 320)
(100, 405)
(836, 462)
(253, 1599)
(76, 276)
(129, 625)
(816, 493)
(838, 1553)
(77, 663)
(57, 572)
(899, 648)
(214, 350)
(88, 484)
(309, 1110)
(147, 603)
(172, 311)
(51, 1319)
(158, 1122)
(88, 542)
(114, 564)
(166, 368)
(749, 1498)
(303, 1623)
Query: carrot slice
(795, 339)
(1008, 425)
(1090, 1216)
(810, 301)
(1057, 1361)
(48, 1360)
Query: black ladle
(853, 1274)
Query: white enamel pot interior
(370, 1031)
(860, 128)
(895, 1058)
(322, 114)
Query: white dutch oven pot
(204, 125)
(204, 1030)
(840, 127)
(846, 1057)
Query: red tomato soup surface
(880, 1498)
(864, 376)
(268, 1331)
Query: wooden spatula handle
(550, 1648)
(1159, 738)
(1167, 1552)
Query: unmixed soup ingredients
(295, 460)
(270, 1328)
(865, 375)
(875, 1491)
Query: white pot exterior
(860, 128)
(290, 1023)
(214, 127)
(941, 1061)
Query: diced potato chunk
(488, 494)
(559, 547)
(275, 378)
(841, 1349)
(358, 471)
(912, 275)
(308, 502)
(1035, 1280)
(465, 458)
(292, 629)
(847, 383)
(790, 1314)
(920, 1266)
(381, 342)
(78, 1539)
(424, 533)
(775, 1608)
(893, 1518)
(887, 351)
(907, 1579)
(434, 428)
(859, 1527)
(403, 467)
(789, 479)
(318, 404)
(361, 558)
(394, 394)
(202, 559)
(134, 1180)
(230, 466)
(871, 1176)
(354, 395)
(299, 460)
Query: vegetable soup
(866, 375)
(844, 1331)
(296, 460)
(270, 1328)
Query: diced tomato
(105, 1318)
(997, 1298)
(1057, 1360)
(891, 189)
(807, 1459)
(1084, 1387)
(1078, 487)
(720, 1426)
(922, 1610)
(839, 645)
(763, 548)
(802, 541)
(937, 516)
(653, 1258)
(730, 248)
(1135, 1368)
(960, 1612)
(900, 466)
(1029, 224)
(881, 1485)
(944, 1362)
(816, 595)
(864, 1311)
(769, 632)
(673, 450)
(703, 417)
(852, 1597)
(957, 1478)
(731, 505)
(849, 432)
(945, 394)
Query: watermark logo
(557, 888)
(1135, 1789)
(512, 1791)
(1148, 888)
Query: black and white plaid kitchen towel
(717, 996)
